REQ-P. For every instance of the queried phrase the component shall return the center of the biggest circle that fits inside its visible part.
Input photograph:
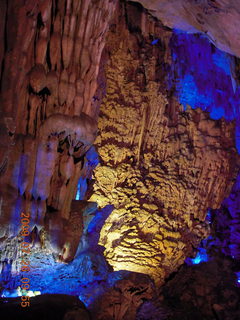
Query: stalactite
(50, 70)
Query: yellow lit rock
(161, 168)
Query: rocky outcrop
(217, 19)
(55, 306)
(122, 301)
(161, 167)
(50, 61)
(212, 290)
(226, 225)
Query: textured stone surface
(212, 289)
(50, 61)
(218, 19)
(56, 306)
(161, 168)
(226, 224)
(122, 301)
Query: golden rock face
(161, 167)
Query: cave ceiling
(217, 19)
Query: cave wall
(161, 167)
(50, 62)
(165, 141)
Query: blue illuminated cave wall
(201, 256)
(88, 276)
(203, 76)
(92, 161)
(227, 223)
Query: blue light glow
(18, 293)
(228, 223)
(209, 216)
(201, 256)
(222, 60)
(92, 162)
(155, 41)
(204, 78)
(81, 189)
(238, 277)
(190, 95)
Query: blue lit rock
(205, 78)
(218, 20)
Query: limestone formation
(88, 79)
(217, 19)
(83, 128)
(50, 66)
(124, 299)
(162, 167)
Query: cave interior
(119, 159)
